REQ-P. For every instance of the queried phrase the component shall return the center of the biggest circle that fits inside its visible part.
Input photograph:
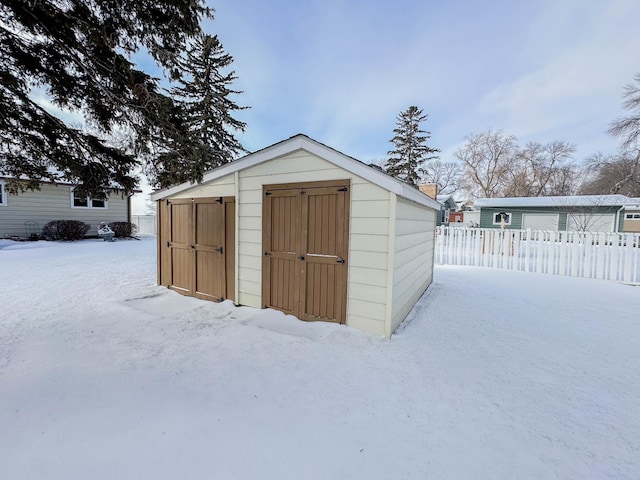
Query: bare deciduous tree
(485, 158)
(628, 128)
(446, 175)
(541, 170)
(621, 174)
(495, 166)
(613, 174)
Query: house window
(3, 195)
(87, 202)
(629, 215)
(633, 216)
(499, 217)
(636, 215)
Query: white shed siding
(222, 187)
(367, 242)
(413, 257)
(53, 202)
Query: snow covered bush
(65, 230)
(123, 229)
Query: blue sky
(341, 71)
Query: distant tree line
(494, 164)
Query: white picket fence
(609, 256)
(146, 224)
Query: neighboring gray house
(26, 213)
(448, 205)
(594, 213)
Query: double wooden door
(305, 239)
(198, 241)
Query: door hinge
(343, 189)
(267, 254)
(193, 246)
(301, 257)
(219, 249)
(340, 261)
(168, 244)
(168, 202)
(302, 192)
(267, 193)
(219, 200)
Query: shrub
(123, 229)
(65, 230)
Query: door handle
(301, 257)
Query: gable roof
(559, 201)
(303, 142)
(448, 200)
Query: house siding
(368, 240)
(413, 257)
(53, 202)
(630, 224)
(487, 213)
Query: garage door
(197, 245)
(305, 239)
(591, 222)
(540, 221)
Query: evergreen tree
(79, 54)
(410, 150)
(204, 100)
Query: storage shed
(302, 228)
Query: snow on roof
(304, 142)
(559, 201)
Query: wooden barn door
(197, 247)
(281, 265)
(305, 234)
(179, 243)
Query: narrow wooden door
(305, 235)
(179, 244)
(324, 243)
(281, 266)
(209, 248)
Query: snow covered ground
(495, 375)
